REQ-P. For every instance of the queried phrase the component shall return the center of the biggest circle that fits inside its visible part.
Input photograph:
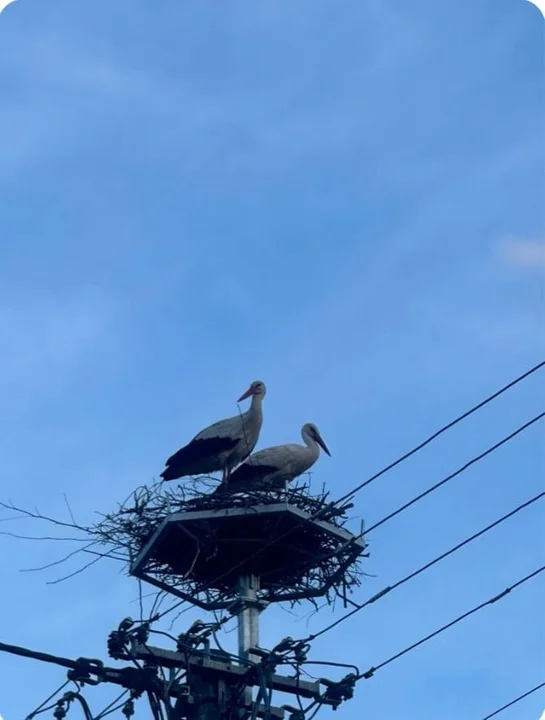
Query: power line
(443, 430)
(515, 701)
(491, 601)
(445, 480)
(41, 707)
(460, 470)
(401, 459)
(41, 656)
(113, 706)
(425, 567)
(133, 680)
(127, 677)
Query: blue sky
(344, 200)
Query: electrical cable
(316, 711)
(444, 429)
(369, 673)
(38, 710)
(155, 706)
(515, 701)
(70, 697)
(425, 567)
(332, 664)
(46, 708)
(416, 499)
(389, 467)
(109, 709)
(437, 485)
(460, 470)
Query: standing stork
(272, 467)
(223, 445)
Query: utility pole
(235, 555)
(258, 553)
(248, 610)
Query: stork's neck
(255, 405)
(312, 445)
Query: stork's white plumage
(223, 445)
(274, 466)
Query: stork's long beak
(322, 444)
(250, 391)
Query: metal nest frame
(313, 554)
(203, 543)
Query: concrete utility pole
(249, 609)
(238, 559)
(256, 554)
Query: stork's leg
(225, 475)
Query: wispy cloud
(69, 94)
(523, 253)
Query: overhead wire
(515, 701)
(369, 673)
(436, 486)
(425, 567)
(417, 572)
(386, 469)
(54, 694)
(460, 470)
(329, 663)
(419, 497)
(155, 706)
(116, 704)
(70, 697)
(444, 429)
(157, 709)
(431, 489)
(315, 712)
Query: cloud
(68, 94)
(523, 253)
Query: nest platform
(200, 551)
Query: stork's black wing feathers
(251, 473)
(193, 452)
(247, 477)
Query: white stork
(223, 445)
(274, 466)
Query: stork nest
(200, 557)
(195, 544)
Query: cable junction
(194, 679)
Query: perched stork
(274, 466)
(223, 445)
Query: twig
(73, 574)
(59, 562)
(69, 508)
